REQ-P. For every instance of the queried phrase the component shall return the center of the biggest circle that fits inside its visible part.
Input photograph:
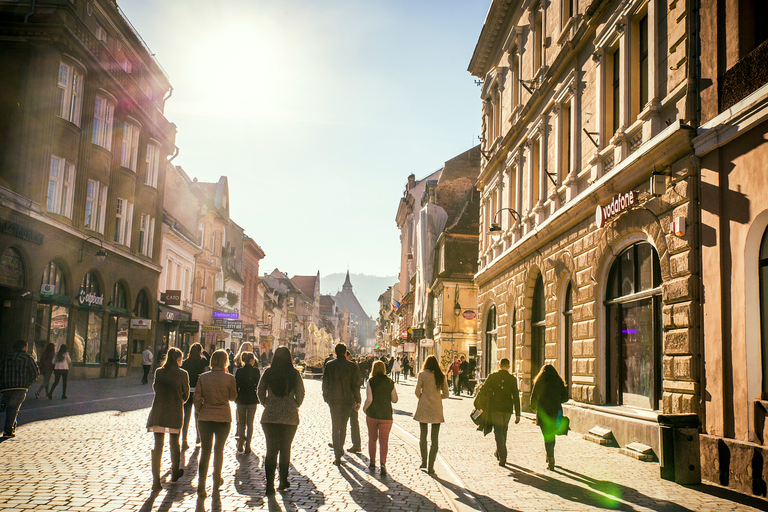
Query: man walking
(499, 398)
(454, 371)
(17, 372)
(354, 418)
(341, 391)
(146, 362)
(463, 375)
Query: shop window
(763, 277)
(490, 342)
(121, 341)
(633, 305)
(11, 269)
(567, 333)
(88, 328)
(538, 325)
(51, 325)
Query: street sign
(171, 297)
(221, 322)
(417, 333)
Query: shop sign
(170, 316)
(236, 335)
(47, 289)
(221, 322)
(265, 333)
(409, 347)
(141, 324)
(171, 297)
(620, 203)
(189, 326)
(222, 314)
(90, 299)
(417, 333)
(211, 328)
(469, 314)
(235, 324)
(426, 342)
(20, 231)
(249, 328)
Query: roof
(307, 284)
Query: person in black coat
(498, 399)
(195, 364)
(548, 394)
(341, 391)
(247, 379)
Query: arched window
(54, 278)
(12, 269)
(142, 305)
(90, 284)
(567, 334)
(490, 341)
(633, 304)
(538, 325)
(88, 330)
(763, 271)
(119, 296)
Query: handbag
(476, 416)
(562, 424)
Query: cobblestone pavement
(91, 453)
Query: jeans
(500, 422)
(147, 367)
(279, 438)
(378, 430)
(63, 375)
(13, 400)
(245, 415)
(397, 377)
(354, 428)
(340, 413)
(209, 429)
(187, 416)
(46, 381)
(455, 381)
(432, 449)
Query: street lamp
(495, 229)
(101, 254)
(192, 286)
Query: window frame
(129, 150)
(123, 222)
(95, 206)
(70, 92)
(153, 164)
(103, 122)
(60, 202)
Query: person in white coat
(431, 390)
(396, 368)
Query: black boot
(176, 473)
(156, 470)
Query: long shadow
(365, 493)
(50, 410)
(467, 497)
(249, 481)
(730, 495)
(176, 491)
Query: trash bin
(114, 363)
(679, 445)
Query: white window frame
(153, 164)
(103, 119)
(123, 222)
(61, 180)
(129, 152)
(146, 235)
(70, 90)
(95, 205)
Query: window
(763, 277)
(87, 341)
(633, 306)
(118, 296)
(514, 65)
(70, 90)
(535, 172)
(538, 43)
(565, 141)
(643, 68)
(614, 73)
(146, 235)
(102, 122)
(95, 206)
(123, 222)
(567, 334)
(53, 277)
(200, 232)
(490, 342)
(102, 35)
(60, 187)
(538, 327)
(141, 309)
(153, 165)
(567, 12)
(130, 148)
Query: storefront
(168, 333)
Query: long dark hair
(62, 352)
(194, 351)
(281, 376)
(48, 353)
(548, 375)
(432, 365)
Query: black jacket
(499, 394)
(341, 382)
(247, 379)
(194, 368)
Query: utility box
(680, 458)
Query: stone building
(83, 147)
(587, 254)
(730, 146)
(251, 307)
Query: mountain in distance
(366, 288)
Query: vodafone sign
(619, 204)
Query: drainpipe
(175, 153)
(170, 93)
(30, 13)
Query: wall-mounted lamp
(495, 229)
(101, 254)
(456, 306)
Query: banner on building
(171, 297)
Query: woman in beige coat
(214, 390)
(431, 390)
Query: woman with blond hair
(380, 394)
(246, 346)
(214, 390)
(431, 390)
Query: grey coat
(171, 391)
(280, 409)
(430, 406)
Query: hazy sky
(317, 111)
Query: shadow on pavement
(467, 497)
(249, 481)
(394, 497)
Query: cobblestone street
(91, 453)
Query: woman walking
(431, 390)
(171, 388)
(247, 378)
(549, 392)
(46, 367)
(396, 368)
(380, 394)
(61, 364)
(214, 390)
(195, 365)
(281, 392)
(246, 346)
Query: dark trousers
(464, 383)
(46, 382)
(187, 415)
(279, 438)
(340, 413)
(354, 428)
(500, 422)
(13, 400)
(63, 375)
(173, 444)
(430, 464)
(147, 367)
(209, 430)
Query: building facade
(251, 307)
(588, 183)
(82, 167)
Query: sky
(317, 111)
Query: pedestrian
(231, 363)
(498, 399)
(431, 390)
(247, 379)
(264, 360)
(396, 368)
(453, 371)
(548, 394)
(146, 361)
(46, 367)
(246, 346)
(281, 392)
(380, 394)
(354, 417)
(61, 364)
(341, 391)
(214, 390)
(463, 376)
(18, 371)
(195, 365)
(171, 386)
